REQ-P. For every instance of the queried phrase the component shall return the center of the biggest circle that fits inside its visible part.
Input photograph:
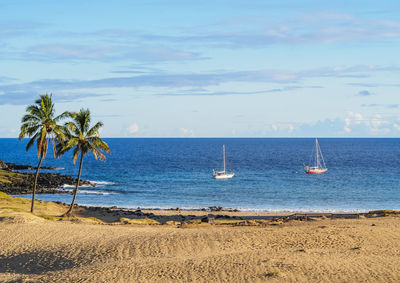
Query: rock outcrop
(15, 183)
(50, 183)
(14, 166)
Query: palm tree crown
(82, 137)
(41, 126)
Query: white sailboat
(223, 174)
(317, 163)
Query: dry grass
(143, 221)
(9, 177)
(383, 212)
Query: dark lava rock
(14, 166)
(215, 208)
(47, 183)
(208, 220)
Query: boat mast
(317, 163)
(223, 149)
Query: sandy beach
(46, 248)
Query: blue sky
(206, 68)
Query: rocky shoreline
(13, 166)
(14, 182)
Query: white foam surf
(87, 192)
(102, 183)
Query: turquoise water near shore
(165, 172)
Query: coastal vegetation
(383, 212)
(41, 125)
(83, 139)
(9, 177)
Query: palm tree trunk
(35, 184)
(76, 188)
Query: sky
(234, 68)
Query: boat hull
(316, 171)
(224, 176)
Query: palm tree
(84, 139)
(41, 126)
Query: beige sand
(326, 250)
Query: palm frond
(31, 141)
(83, 120)
(30, 118)
(30, 124)
(73, 128)
(94, 131)
(96, 152)
(99, 143)
(29, 130)
(69, 144)
(62, 116)
(34, 110)
(93, 150)
(59, 133)
(75, 154)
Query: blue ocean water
(165, 172)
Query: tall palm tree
(40, 124)
(84, 139)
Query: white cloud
(352, 125)
(374, 125)
(352, 119)
(186, 132)
(396, 126)
(133, 129)
(281, 129)
(377, 121)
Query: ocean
(363, 174)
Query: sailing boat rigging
(317, 162)
(223, 174)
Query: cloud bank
(20, 93)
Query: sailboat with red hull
(317, 162)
